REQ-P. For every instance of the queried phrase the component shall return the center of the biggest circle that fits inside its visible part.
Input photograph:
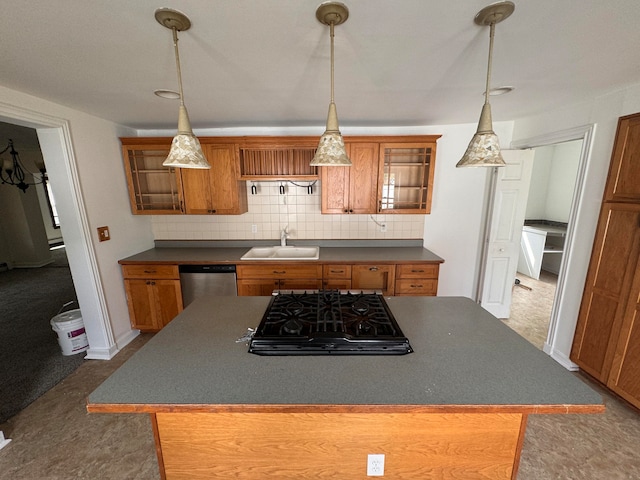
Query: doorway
(575, 143)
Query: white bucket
(71, 334)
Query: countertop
(221, 255)
(463, 358)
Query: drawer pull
(337, 271)
(149, 271)
(417, 271)
(373, 269)
(280, 273)
(417, 286)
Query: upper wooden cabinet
(278, 158)
(623, 184)
(406, 180)
(607, 338)
(217, 190)
(352, 189)
(153, 189)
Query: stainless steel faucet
(284, 234)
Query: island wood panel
(336, 445)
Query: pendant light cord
(175, 46)
(331, 35)
(491, 34)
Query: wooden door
(623, 184)
(610, 274)
(196, 185)
(363, 178)
(625, 371)
(334, 191)
(227, 192)
(140, 302)
(167, 296)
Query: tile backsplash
(270, 211)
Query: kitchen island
(454, 408)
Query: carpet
(31, 360)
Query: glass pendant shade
(484, 147)
(331, 150)
(186, 151)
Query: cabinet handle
(417, 271)
(336, 271)
(373, 269)
(149, 271)
(346, 210)
(280, 273)
(416, 286)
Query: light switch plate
(103, 234)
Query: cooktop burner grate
(328, 322)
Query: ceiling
(266, 63)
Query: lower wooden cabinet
(154, 296)
(418, 279)
(336, 277)
(374, 277)
(265, 279)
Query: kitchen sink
(282, 253)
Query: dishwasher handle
(207, 268)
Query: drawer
(279, 271)
(416, 286)
(150, 271)
(417, 271)
(336, 271)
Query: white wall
(602, 112)
(96, 160)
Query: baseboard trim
(561, 358)
(109, 353)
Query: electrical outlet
(375, 465)
(103, 234)
(254, 228)
(383, 227)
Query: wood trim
(516, 460)
(302, 408)
(158, 445)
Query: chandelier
(13, 171)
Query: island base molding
(336, 445)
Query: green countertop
(463, 357)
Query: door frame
(54, 135)
(586, 134)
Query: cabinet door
(373, 277)
(141, 304)
(153, 188)
(196, 191)
(407, 171)
(610, 273)
(625, 372)
(217, 190)
(363, 178)
(624, 174)
(352, 189)
(167, 296)
(228, 194)
(334, 191)
(257, 287)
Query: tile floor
(56, 439)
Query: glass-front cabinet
(153, 188)
(406, 178)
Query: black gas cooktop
(328, 322)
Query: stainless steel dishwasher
(207, 280)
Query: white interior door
(502, 243)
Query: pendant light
(186, 151)
(331, 150)
(484, 148)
